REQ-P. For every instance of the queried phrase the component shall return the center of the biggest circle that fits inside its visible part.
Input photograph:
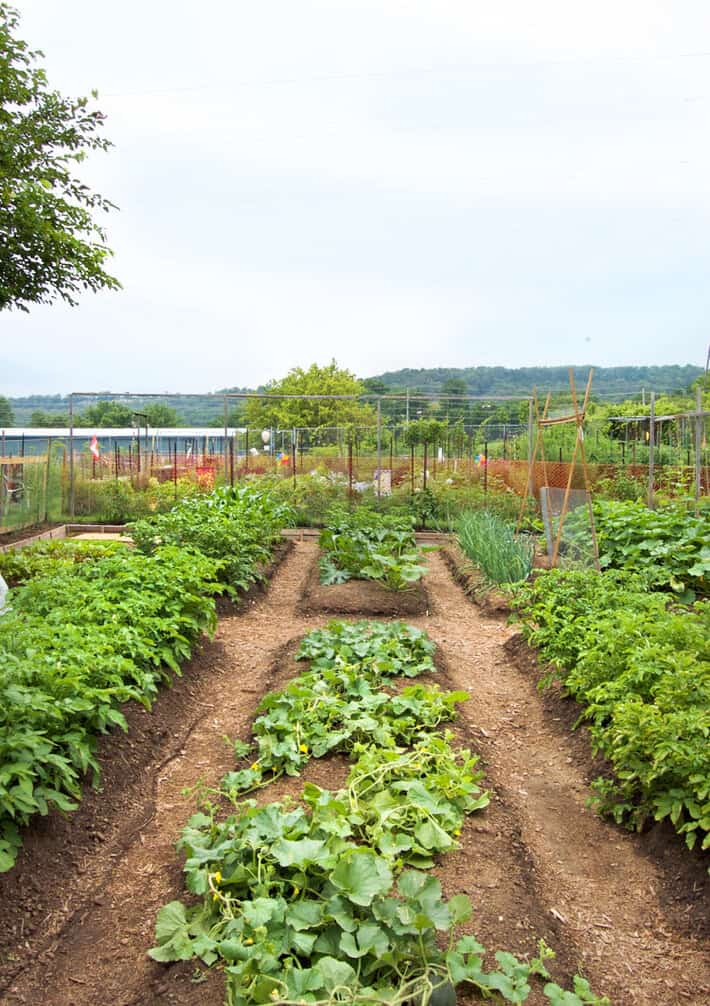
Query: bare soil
(362, 597)
(492, 602)
(10, 536)
(78, 911)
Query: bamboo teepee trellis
(543, 422)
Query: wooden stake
(579, 418)
(533, 459)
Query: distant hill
(620, 382)
(617, 381)
(202, 410)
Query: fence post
(698, 444)
(71, 454)
(225, 445)
(350, 468)
(651, 451)
(379, 446)
(46, 479)
(293, 455)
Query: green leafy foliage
(670, 546)
(490, 543)
(320, 903)
(641, 670)
(293, 905)
(117, 501)
(384, 648)
(237, 525)
(409, 804)
(366, 545)
(19, 565)
(339, 702)
(92, 626)
(438, 506)
(7, 416)
(51, 245)
(315, 414)
(76, 644)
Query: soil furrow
(536, 863)
(101, 956)
(592, 878)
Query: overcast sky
(429, 183)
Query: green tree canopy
(7, 417)
(316, 414)
(375, 386)
(107, 413)
(454, 386)
(159, 414)
(425, 431)
(50, 245)
(457, 387)
(49, 420)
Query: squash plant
(365, 545)
(669, 545)
(319, 904)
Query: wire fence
(31, 489)
(37, 489)
(106, 473)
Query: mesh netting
(576, 542)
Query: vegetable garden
(365, 811)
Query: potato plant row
(640, 667)
(90, 627)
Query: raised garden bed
(361, 597)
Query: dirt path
(536, 863)
(92, 949)
(588, 883)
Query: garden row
(91, 627)
(311, 498)
(631, 645)
(327, 899)
(669, 546)
(362, 544)
(640, 668)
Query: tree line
(357, 408)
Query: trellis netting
(576, 540)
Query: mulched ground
(79, 909)
(362, 597)
(490, 601)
